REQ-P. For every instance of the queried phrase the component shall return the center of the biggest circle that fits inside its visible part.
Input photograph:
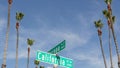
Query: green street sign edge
(51, 50)
(54, 55)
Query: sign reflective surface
(53, 59)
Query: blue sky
(49, 22)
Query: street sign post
(57, 48)
(53, 59)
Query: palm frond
(98, 24)
(108, 1)
(30, 42)
(106, 13)
(41, 66)
(113, 19)
(19, 16)
(36, 62)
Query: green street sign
(57, 48)
(53, 59)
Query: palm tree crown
(41, 66)
(98, 24)
(30, 42)
(113, 19)
(19, 16)
(36, 62)
(108, 1)
(106, 13)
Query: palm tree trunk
(7, 36)
(102, 50)
(28, 57)
(17, 43)
(55, 66)
(116, 45)
(36, 66)
(114, 36)
(110, 47)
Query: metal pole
(55, 66)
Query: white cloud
(94, 58)
(72, 39)
(21, 54)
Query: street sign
(53, 59)
(57, 48)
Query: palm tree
(30, 43)
(99, 26)
(36, 62)
(19, 17)
(41, 66)
(108, 2)
(7, 35)
(106, 14)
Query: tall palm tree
(36, 62)
(19, 17)
(41, 66)
(99, 26)
(106, 14)
(7, 35)
(108, 2)
(30, 43)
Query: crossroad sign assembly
(53, 59)
(57, 48)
